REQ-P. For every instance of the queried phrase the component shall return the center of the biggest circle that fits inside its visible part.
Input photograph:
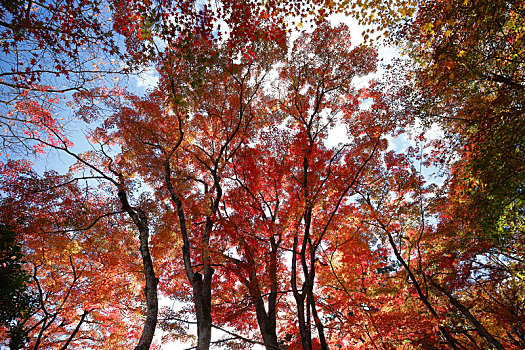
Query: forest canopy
(264, 191)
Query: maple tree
(71, 288)
(195, 151)
(470, 73)
(225, 178)
(125, 23)
(318, 83)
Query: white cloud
(148, 79)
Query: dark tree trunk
(152, 304)
(266, 320)
(302, 317)
(202, 303)
(450, 340)
(200, 284)
(482, 331)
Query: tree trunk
(265, 320)
(303, 322)
(152, 304)
(450, 340)
(202, 303)
(200, 284)
(482, 331)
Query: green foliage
(511, 224)
(16, 302)
(501, 192)
(469, 68)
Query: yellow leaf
(404, 12)
(300, 25)
(447, 33)
(428, 27)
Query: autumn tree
(252, 229)
(80, 280)
(32, 121)
(468, 60)
(316, 91)
(263, 213)
(195, 141)
(473, 61)
(225, 178)
(188, 136)
(67, 31)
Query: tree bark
(200, 284)
(450, 340)
(152, 304)
(75, 331)
(265, 320)
(482, 331)
(303, 322)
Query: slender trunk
(310, 286)
(272, 298)
(200, 283)
(268, 331)
(482, 331)
(451, 341)
(308, 264)
(303, 324)
(308, 267)
(202, 292)
(202, 310)
(150, 290)
(317, 321)
(265, 320)
(152, 304)
(75, 331)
